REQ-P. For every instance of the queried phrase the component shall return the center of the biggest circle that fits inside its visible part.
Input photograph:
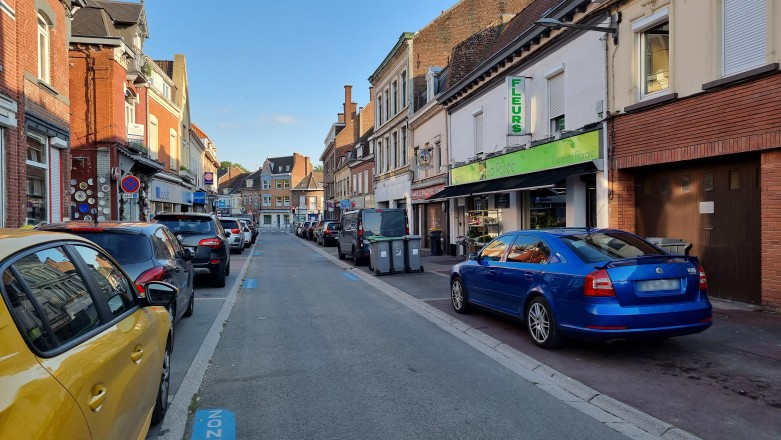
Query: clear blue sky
(267, 77)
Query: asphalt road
(316, 352)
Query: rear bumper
(603, 322)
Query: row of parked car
(324, 232)
(89, 311)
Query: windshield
(125, 248)
(188, 225)
(385, 223)
(600, 246)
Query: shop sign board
(557, 154)
(208, 178)
(516, 106)
(502, 200)
(424, 193)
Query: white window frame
(554, 114)
(639, 27)
(395, 97)
(174, 149)
(365, 181)
(286, 200)
(44, 50)
(403, 146)
(478, 125)
(40, 165)
(266, 200)
(278, 200)
(248, 183)
(265, 184)
(403, 89)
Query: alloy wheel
(539, 323)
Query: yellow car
(83, 353)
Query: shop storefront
(549, 185)
(169, 195)
(429, 215)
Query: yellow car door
(33, 405)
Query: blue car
(585, 283)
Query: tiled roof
(166, 66)
(281, 164)
(198, 131)
(312, 180)
(121, 12)
(92, 22)
(522, 22)
(471, 52)
(234, 183)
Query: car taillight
(703, 278)
(360, 233)
(598, 283)
(213, 243)
(235, 231)
(153, 274)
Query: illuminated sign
(516, 106)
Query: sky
(266, 78)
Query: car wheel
(218, 276)
(339, 252)
(542, 324)
(190, 305)
(458, 295)
(228, 267)
(161, 403)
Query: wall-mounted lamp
(558, 24)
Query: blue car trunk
(658, 280)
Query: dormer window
(432, 83)
(248, 182)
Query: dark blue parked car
(592, 284)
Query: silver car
(234, 231)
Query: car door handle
(97, 397)
(528, 276)
(138, 353)
(492, 272)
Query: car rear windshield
(385, 223)
(230, 224)
(188, 225)
(125, 248)
(607, 246)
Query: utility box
(380, 255)
(397, 254)
(674, 246)
(412, 254)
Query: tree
(226, 165)
(318, 168)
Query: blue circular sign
(83, 208)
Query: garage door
(715, 205)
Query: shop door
(715, 205)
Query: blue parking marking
(350, 276)
(251, 283)
(258, 253)
(214, 424)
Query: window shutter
(56, 193)
(744, 35)
(556, 96)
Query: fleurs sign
(516, 106)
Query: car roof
(192, 214)
(14, 240)
(562, 231)
(85, 226)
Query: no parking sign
(130, 184)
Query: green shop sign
(570, 151)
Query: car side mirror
(474, 257)
(188, 254)
(159, 293)
(227, 233)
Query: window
(403, 146)
(527, 249)
(395, 90)
(556, 93)
(59, 299)
(173, 150)
(387, 154)
(495, 249)
(478, 130)
(115, 287)
(387, 105)
(438, 153)
(283, 183)
(279, 200)
(286, 200)
(37, 180)
(266, 184)
(366, 180)
(404, 89)
(248, 182)
(734, 180)
(266, 200)
(166, 90)
(379, 110)
(394, 136)
(43, 49)
(744, 35)
(154, 140)
(707, 184)
(380, 158)
(655, 58)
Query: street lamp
(558, 24)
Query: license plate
(656, 285)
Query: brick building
(340, 139)
(307, 196)
(278, 177)
(108, 115)
(34, 121)
(696, 144)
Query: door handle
(97, 397)
(138, 353)
(492, 272)
(528, 276)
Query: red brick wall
(621, 188)
(771, 228)
(745, 117)
(433, 44)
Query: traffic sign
(130, 184)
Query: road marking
(214, 424)
(258, 253)
(250, 284)
(350, 276)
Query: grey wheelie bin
(397, 254)
(380, 252)
(412, 254)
